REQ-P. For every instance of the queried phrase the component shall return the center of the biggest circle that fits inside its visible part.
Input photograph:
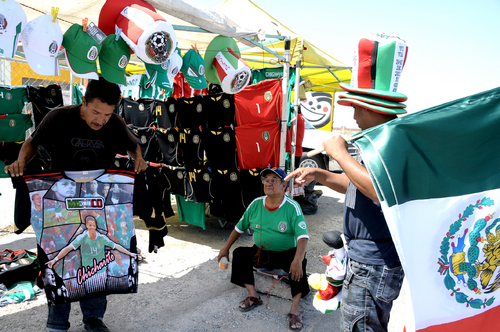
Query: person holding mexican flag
(374, 273)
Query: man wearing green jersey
(280, 237)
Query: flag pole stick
(347, 138)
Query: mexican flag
(437, 174)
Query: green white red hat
(224, 66)
(378, 64)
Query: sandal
(249, 303)
(295, 320)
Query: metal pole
(295, 114)
(286, 97)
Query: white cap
(12, 21)
(147, 33)
(174, 66)
(41, 40)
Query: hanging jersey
(252, 182)
(12, 100)
(298, 139)
(163, 117)
(191, 212)
(9, 151)
(44, 100)
(138, 112)
(168, 141)
(198, 185)
(220, 148)
(183, 89)
(190, 112)
(151, 90)
(190, 143)
(92, 235)
(172, 179)
(259, 103)
(146, 138)
(219, 110)
(226, 188)
(258, 145)
(13, 127)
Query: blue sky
(454, 46)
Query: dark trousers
(243, 263)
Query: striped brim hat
(378, 63)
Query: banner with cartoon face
(317, 108)
(85, 233)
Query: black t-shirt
(44, 100)
(74, 146)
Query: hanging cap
(193, 68)
(42, 38)
(224, 66)
(147, 33)
(378, 63)
(113, 58)
(174, 66)
(81, 52)
(12, 21)
(112, 9)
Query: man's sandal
(249, 303)
(295, 323)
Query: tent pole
(295, 114)
(286, 97)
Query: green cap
(193, 68)
(113, 58)
(81, 52)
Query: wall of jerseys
(206, 148)
(210, 148)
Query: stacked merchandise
(13, 124)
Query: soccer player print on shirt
(85, 231)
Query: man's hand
(302, 175)
(296, 270)
(16, 168)
(336, 147)
(223, 253)
(140, 165)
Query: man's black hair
(107, 92)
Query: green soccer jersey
(13, 127)
(92, 249)
(276, 230)
(12, 100)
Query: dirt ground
(179, 289)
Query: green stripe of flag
(447, 150)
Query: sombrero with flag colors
(378, 63)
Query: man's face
(65, 188)
(93, 186)
(96, 113)
(50, 278)
(91, 225)
(361, 117)
(37, 201)
(273, 184)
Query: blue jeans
(367, 296)
(58, 319)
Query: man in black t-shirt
(82, 137)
